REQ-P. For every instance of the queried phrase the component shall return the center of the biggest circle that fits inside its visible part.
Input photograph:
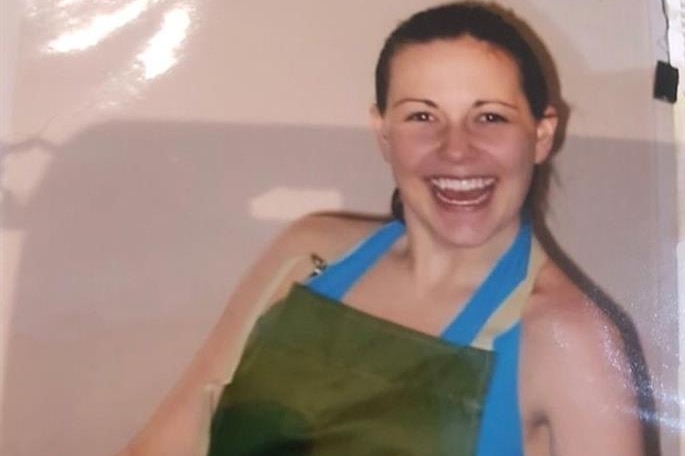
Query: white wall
(132, 203)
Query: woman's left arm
(582, 382)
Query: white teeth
(469, 203)
(474, 183)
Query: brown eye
(421, 117)
(491, 117)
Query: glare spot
(65, 3)
(97, 29)
(284, 204)
(160, 53)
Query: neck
(434, 262)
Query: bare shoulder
(558, 308)
(575, 375)
(563, 326)
(326, 234)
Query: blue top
(500, 433)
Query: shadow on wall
(134, 241)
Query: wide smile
(462, 192)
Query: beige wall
(134, 196)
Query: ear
(545, 134)
(380, 129)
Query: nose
(457, 144)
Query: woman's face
(460, 139)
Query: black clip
(666, 82)
(319, 264)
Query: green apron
(323, 379)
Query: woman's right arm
(180, 426)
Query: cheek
(518, 155)
(408, 154)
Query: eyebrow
(480, 103)
(425, 101)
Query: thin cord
(664, 39)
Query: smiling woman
(457, 335)
(458, 120)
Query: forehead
(463, 63)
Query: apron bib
(320, 378)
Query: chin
(473, 236)
(468, 227)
